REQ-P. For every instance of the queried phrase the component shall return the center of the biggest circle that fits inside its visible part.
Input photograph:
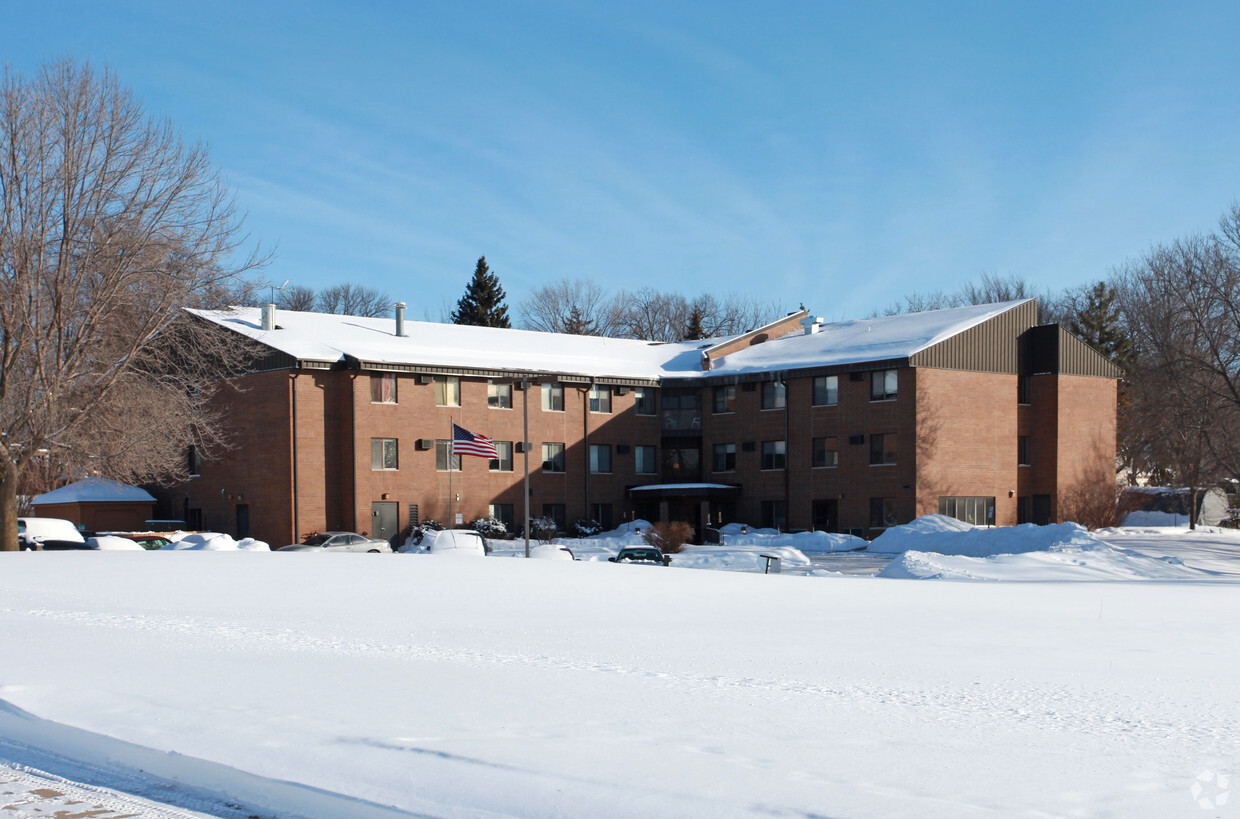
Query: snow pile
(810, 543)
(215, 542)
(948, 536)
(740, 558)
(1071, 563)
(115, 544)
(549, 551)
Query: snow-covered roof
(93, 490)
(332, 338)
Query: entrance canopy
(684, 491)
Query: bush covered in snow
(585, 527)
(543, 529)
(490, 527)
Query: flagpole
(525, 448)
(451, 460)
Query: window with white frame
(884, 385)
(774, 395)
(504, 462)
(445, 459)
(826, 390)
(499, 394)
(643, 401)
(644, 460)
(447, 391)
(553, 457)
(553, 397)
(600, 458)
(383, 388)
(600, 398)
(774, 454)
(383, 454)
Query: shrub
(418, 532)
(543, 529)
(490, 527)
(585, 527)
(668, 538)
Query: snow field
(394, 685)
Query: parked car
(49, 535)
(338, 542)
(460, 542)
(641, 554)
(144, 539)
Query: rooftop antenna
(280, 288)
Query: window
(1022, 389)
(643, 460)
(195, 461)
(501, 512)
(600, 458)
(383, 388)
(499, 395)
(725, 398)
(682, 411)
(602, 513)
(725, 458)
(979, 511)
(600, 398)
(774, 454)
(643, 400)
(553, 397)
(883, 449)
(557, 514)
(443, 451)
(774, 395)
(553, 457)
(826, 452)
(447, 391)
(883, 513)
(774, 515)
(883, 385)
(504, 462)
(383, 453)
(826, 390)
(1022, 450)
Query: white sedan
(338, 542)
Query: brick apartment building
(344, 423)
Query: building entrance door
(826, 514)
(383, 519)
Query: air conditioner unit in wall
(424, 444)
(426, 379)
(622, 390)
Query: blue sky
(839, 156)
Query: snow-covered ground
(249, 683)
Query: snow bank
(948, 536)
(549, 551)
(1070, 563)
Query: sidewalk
(29, 794)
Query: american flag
(465, 442)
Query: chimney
(812, 324)
(400, 320)
(269, 317)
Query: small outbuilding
(99, 505)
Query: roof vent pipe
(269, 317)
(400, 320)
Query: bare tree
(298, 298)
(109, 226)
(353, 300)
(575, 306)
(989, 288)
(1182, 304)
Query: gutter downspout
(293, 438)
(787, 457)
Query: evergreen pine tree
(578, 324)
(694, 331)
(483, 302)
(1098, 323)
